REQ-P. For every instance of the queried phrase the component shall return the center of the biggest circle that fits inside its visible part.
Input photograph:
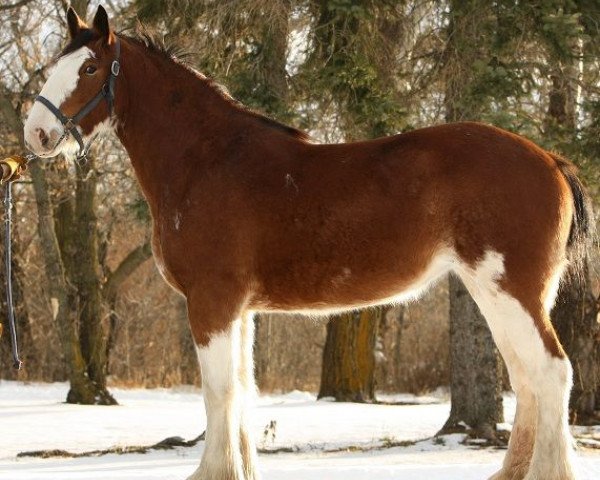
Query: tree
(561, 33)
(11, 116)
(77, 234)
(351, 75)
(12, 134)
(69, 233)
(348, 372)
(476, 395)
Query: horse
(249, 215)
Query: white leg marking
(220, 363)
(249, 392)
(533, 371)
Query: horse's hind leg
(540, 446)
(522, 438)
(548, 373)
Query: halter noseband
(107, 92)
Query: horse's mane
(157, 43)
(174, 53)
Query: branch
(21, 3)
(130, 263)
(9, 114)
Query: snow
(324, 436)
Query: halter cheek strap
(107, 93)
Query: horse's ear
(74, 22)
(101, 24)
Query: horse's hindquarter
(361, 223)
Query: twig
(166, 444)
(15, 5)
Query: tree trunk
(86, 279)
(272, 91)
(576, 310)
(262, 345)
(575, 318)
(189, 368)
(77, 234)
(348, 372)
(476, 382)
(59, 290)
(271, 65)
(110, 291)
(476, 368)
(351, 338)
(398, 345)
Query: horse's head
(70, 108)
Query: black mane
(156, 44)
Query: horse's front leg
(249, 391)
(218, 332)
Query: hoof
(550, 476)
(499, 475)
(215, 473)
(515, 473)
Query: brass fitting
(12, 168)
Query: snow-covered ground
(324, 437)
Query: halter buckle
(115, 68)
(69, 125)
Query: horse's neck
(165, 115)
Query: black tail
(583, 225)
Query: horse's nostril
(44, 139)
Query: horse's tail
(583, 224)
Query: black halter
(107, 92)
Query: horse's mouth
(62, 145)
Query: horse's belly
(348, 289)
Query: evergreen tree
(345, 70)
(476, 398)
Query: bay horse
(250, 216)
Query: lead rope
(17, 363)
(14, 167)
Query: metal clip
(81, 158)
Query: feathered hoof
(223, 473)
(514, 473)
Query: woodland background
(92, 308)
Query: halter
(107, 92)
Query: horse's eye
(90, 70)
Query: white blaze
(59, 86)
